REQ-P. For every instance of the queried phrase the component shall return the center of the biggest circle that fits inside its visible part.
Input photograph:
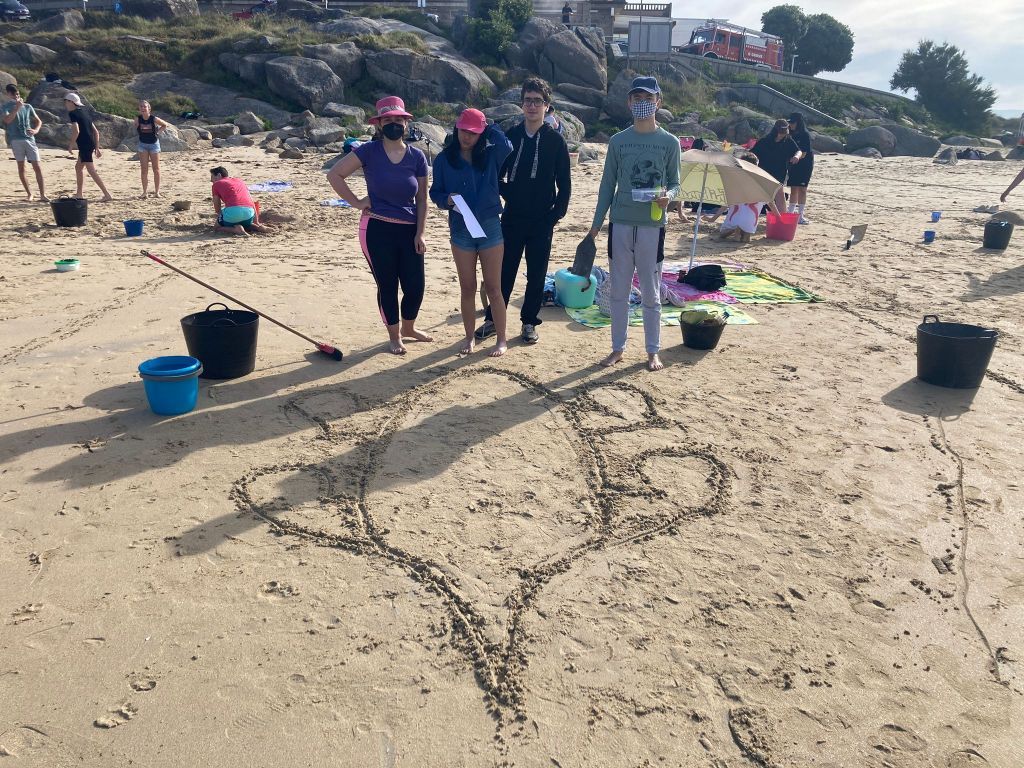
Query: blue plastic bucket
(133, 227)
(172, 383)
(573, 291)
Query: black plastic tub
(70, 211)
(223, 340)
(953, 354)
(997, 235)
(701, 335)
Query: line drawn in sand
(612, 483)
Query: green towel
(591, 316)
(752, 287)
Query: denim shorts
(154, 147)
(461, 238)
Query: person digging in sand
(469, 166)
(86, 138)
(236, 212)
(394, 217)
(21, 124)
(642, 160)
(1013, 185)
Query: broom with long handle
(327, 349)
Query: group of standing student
(786, 152)
(529, 168)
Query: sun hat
(472, 120)
(649, 84)
(74, 98)
(389, 106)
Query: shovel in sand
(856, 235)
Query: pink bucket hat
(390, 106)
(472, 120)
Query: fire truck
(721, 40)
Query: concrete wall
(780, 105)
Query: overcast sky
(991, 36)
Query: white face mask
(643, 109)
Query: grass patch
(113, 99)
(441, 112)
(173, 104)
(408, 15)
(391, 40)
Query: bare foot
(654, 362)
(410, 332)
(156, 194)
(396, 347)
(30, 197)
(44, 199)
(612, 359)
(467, 346)
(500, 349)
(106, 199)
(145, 194)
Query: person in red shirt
(236, 212)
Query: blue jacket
(478, 188)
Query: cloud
(884, 29)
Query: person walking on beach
(235, 209)
(21, 124)
(468, 168)
(776, 151)
(1013, 184)
(149, 127)
(86, 138)
(642, 166)
(800, 172)
(536, 183)
(394, 217)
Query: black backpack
(706, 278)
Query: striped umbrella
(721, 179)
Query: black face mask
(393, 131)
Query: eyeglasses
(534, 102)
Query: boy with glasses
(641, 168)
(536, 183)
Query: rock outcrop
(214, 102)
(344, 59)
(419, 77)
(874, 136)
(160, 9)
(569, 57)
(307, 82)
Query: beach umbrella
(721, 179)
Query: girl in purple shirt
(394, 217)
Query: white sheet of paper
(467, 215)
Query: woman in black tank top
(148, 127)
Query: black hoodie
(530, 174)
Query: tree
(945, 86)
(496, 26)
(827, 46)
(786, 21)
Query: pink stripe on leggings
(363, 222)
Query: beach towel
(271, 186)
(337, 202)
(753, 287)
(592, 317)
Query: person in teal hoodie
(641, 176)
(469, 166)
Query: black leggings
(390, 250)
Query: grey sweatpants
(635, 249)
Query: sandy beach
(784, 552)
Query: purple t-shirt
(392, 186)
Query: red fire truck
(720, 40)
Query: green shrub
(173, 104)
(441, 112)
(113, 99)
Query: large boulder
(113, 130)
(160, 9)
(307, 82)
(592, 97)
(64, 21)
(223, 130)
(503, 111)
(961, 141)
(252, 67)
(302, 9)
(573, 129)
(50, 96)
(173, 140)
(6, 79)
(249, 122)
(230, 61)
(421, 77)
(990, 143)
(1017, 153)
(873, 136)
(218, 104)
(567, 58)
(348, 114)
(532, 37)
(34, 55)
(349, 26)
(911, 142)
(258, 44)
(822, 142)
(867, 152)
(615, 103)
(582, 111)
(995, 154)
(10, 59)
(344, 59)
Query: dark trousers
(390, 250)
(535, 239)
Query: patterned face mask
(643, 109)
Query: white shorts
(25, 149)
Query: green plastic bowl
(66, 265)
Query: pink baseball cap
(390, 106)
(472, 120)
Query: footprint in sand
(437, 482)
(117, 717)
(275, 589)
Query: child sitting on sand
(741, 218)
